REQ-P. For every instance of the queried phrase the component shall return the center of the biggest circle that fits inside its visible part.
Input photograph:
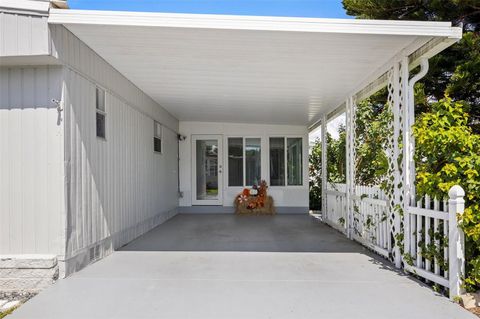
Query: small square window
(157, 137)
(100, 125)
(100, 99)
(101, 115)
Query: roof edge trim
(30, 7)
(258, 23)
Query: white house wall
(118, 188)
(32, 207)
(289, 199)
(23, 35)
(78, 56)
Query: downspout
(411, 120)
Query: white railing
(433, 242)
(370, 219)
(434, 247)
(370, 223)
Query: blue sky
(293, 8)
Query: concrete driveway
(225, 266)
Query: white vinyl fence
(433, 246)
(336, 215)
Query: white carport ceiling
(246, 69)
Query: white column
(407, 157)
(350, 162)
(396, 205)
(456, 242)
(324, 167)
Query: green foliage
(8, 312)
(455, 70)
(447, 144)
(315, 174)
(447, 153)
(465, 11)
(336, 164)
(336, 157)
(371, 162)
(372, 120)
(447, 130)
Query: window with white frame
(253, 162)
(235, 161)
(244, 161)
(277, 161)
(286, 161)
(157, 137)
(101, 115)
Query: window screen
(101, 115)
(157, 137)
(252, 161)
(277, 161)
(235, 161)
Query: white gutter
(424, 66)
(254, 23)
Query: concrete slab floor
(225, 266)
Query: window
(157, 137)
(286, 155)
(244, 161)
(277, 161)
(294, 161)
(100, 112)
(252, 161)
(235, 161)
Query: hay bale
(267, 209)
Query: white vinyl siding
(120, 189)
(32, 207)
(23, 35)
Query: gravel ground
(22, 296)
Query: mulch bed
(475, 311)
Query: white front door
(207, 169)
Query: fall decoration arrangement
(254, 201)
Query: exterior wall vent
(94, 252)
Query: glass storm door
(207, 169)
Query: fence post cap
(456, 192)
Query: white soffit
(243, 68)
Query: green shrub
(448, 153)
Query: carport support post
(456, 241)
(350, 162)
(324, 167)
(397, 96)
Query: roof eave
(254, 23)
